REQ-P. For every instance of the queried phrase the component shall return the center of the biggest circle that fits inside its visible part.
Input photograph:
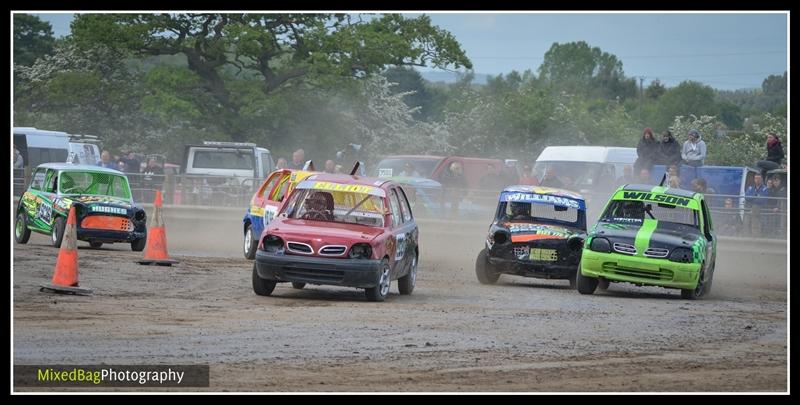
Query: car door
(410, 229)
(262, 206)
(708, 233)
(44, 210)
(402, 233)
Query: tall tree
(280, 49)
(33, 38)
(575, 67)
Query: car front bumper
(533, 269)
(106, 236)
(360, 273)
(639, 270)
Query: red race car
(340, 230)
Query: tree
(279, 49)
(410, 82)
(687, 98)
(33, 38)
(575, 66)
(655, 90)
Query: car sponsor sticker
(544, 255)
(542, 199)
(385, 172)
(660, 198)
(401, 246)
(109, 210)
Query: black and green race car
(104, 207)
(654, 236)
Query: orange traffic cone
(156, 250)
(65, 277)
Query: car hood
(95, 201)
(527, 231)
(318, 233)
(666, 235)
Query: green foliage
(577, 68)
(687, 98)
(33, 39)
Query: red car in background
(340, 230)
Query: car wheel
(21, 231)
(57, 233)
(262, 286)
(585, 285)
(250, 243)
(603, 284)
(406, 283)
(698, 291)
(139, 244)
(573, 281)
(381, 291)
(484, 271)
(298, 286)
(96, 245)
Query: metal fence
(758, 217)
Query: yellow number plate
(544, 255)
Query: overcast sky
(725, 51)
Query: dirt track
(452, 334)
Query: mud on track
(452, 334)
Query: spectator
(755, 203)
(298, 159)
(152, 178)
(19, 162)
(730, 222)
(453, 187)
(646, 151)
(550, 179)
(528, 178)
(674, 182)
(780, 191)
(672, 176)
(281, 164)
(409, 171)
(329, 166)
(132, 165)
(492, 180)
(694, 149)
(774, 155)
(644, 177)
(669, 152)
(627, 176)
(120, 165)
(105, 160)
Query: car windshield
(93, 183)
(419, 167)
(516, 211)
(626, 211)
(336, 206)
(575, 175)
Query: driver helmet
(316, 202)
(520, 209)
(633, 209)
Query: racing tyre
(406, 283)
(586, 285)
(298, 286)
(57, 234)
(381, 291)
(699, 291)
(95, 245)
(262, 286)
(573, 281)
(21, 231)
(250, 243)
(139, 244)
(603, 284)
(484, 271)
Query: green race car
(650, 235)
(104, 208)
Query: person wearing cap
(669, 151)
(646, 151)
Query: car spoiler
(309, 166)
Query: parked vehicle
(39, 146)
(654, 236)
(434, 167)
(585, 168)
(245, 161)
(105, 211)
(83, 150)
(340, 230)
(537, 232)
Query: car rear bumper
(639, 270)
(360, 273)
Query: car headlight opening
(681, 255)
(600, 245)
(361, 251)
(272, 244)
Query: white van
(585, 167)
(83, 150)
(229, 159)
(39, 146)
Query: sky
(723, 50)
